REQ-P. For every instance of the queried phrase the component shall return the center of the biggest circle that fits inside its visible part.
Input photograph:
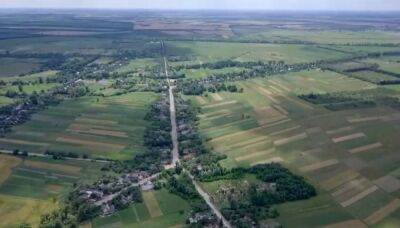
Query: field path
(175, 143)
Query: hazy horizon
(308, 5)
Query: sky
(336, 5)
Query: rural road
(112, 196)
(172, 110)
(175, 151)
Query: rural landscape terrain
(199, 119)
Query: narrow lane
(175, 150)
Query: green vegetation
(283, 119)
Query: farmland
(209, 52)
(160, 209)
(31, 187)
(333, 150)
(91, 126)
(280, 119)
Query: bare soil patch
(339, 130)
(252, 155)
(383, 212)
(348, 137)
(6, 164)
(287, 140)
(359, 196)
(365, 148)
(23, 142)
(216, 97)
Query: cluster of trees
(179, 183)
(140, 84)
(20, 112)
(279, 186)
(354, 99)
(190, 142)
(131, 193)
(75, 210)
(217, 82)
(197, 87)
(182, 186)
(206, 168)
(59, 155)
(338, 101)
(157, 139)
(289, 187)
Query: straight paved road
(175, 151)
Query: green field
(14, 67)
(323, 110)
(214, 51)
(137, 64)
(326, 36)
(173, 210)
(32, 77)
(374, 77)
(34, 186)
(203, 72)
(390, 64)
(102, 127)
(268, 123)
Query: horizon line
(196, 9)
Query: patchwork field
(159, 209)
(348, 62)
(32, 187)
(348, 155)
(100, 127)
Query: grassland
(32, 77)
(14, 67)
(159, 209)
(101, 127)
(341, 153)
(374, 77)
(203, 72)
(137, 64)
(326, 36)
(390, 64)
(214, 51)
